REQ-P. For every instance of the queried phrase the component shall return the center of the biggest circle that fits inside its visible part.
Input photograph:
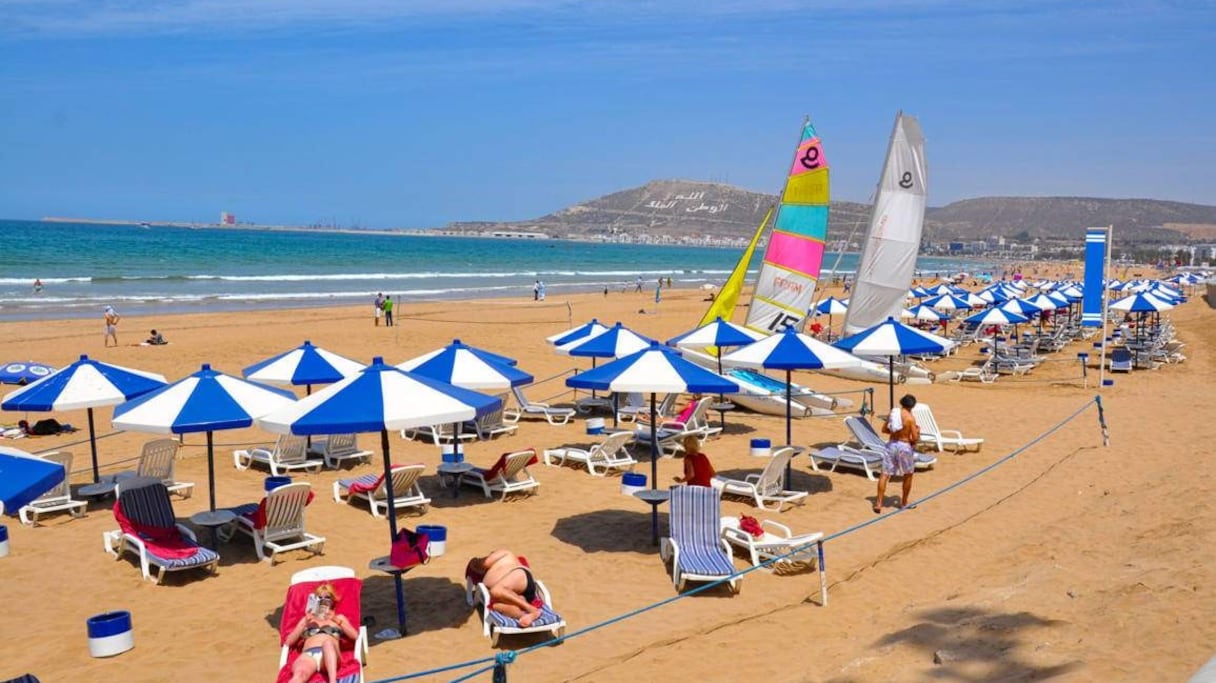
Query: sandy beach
(1070, 560)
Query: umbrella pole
(654, 470)
(211, 470)
(789, 440)
(93, 446)
(891, 381)
(307, 439)
(392, 527)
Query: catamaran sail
(795, 248)
(888, 257)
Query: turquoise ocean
(84, 267)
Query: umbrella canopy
(302, 366)
(1021, 307)
(464, 366)
(206, 401)
(575, 333)
(616, 342)
(24, 372)
(892, 338)
(791, 350)
(996, 316)
(926, 312)
(831, 306)
(379, 398)
(24, 477)
(1044, 302)
(718, 333)
(84, 384)
(653, 370)
(1141, 303)
(948, 302)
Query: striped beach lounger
(148, 527)
(695, 547)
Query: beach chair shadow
(610, 531)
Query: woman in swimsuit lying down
(512, 588)
(318, 634)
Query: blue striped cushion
(547, 618)
(695, 513)
(245, 510)
(200, 557)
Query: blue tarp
(24, 477)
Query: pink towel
(166, 542)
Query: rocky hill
(683, 208)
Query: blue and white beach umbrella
(468, 367)
(1044, 302)
(719, 333)
(24, 477)
(653, 370)
(1141, 303)
(379, 399)
(304, 366)
(582, 332)
(207, 401)
(84, 384)
(831, 306)
(1021, 307)
(947, 302)
(24, 372)
(791, 350)
(617, 341)
(996, 316)
(926, 312)
(892, 338)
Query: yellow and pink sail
(792, 260)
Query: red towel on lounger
(348, 591)
(166, 542)
(258, 516)
(498, 466)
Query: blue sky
(395, 113)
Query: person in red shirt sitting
(697, 469)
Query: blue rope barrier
(499, 662)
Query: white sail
(888, 257)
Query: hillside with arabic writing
(691, 209)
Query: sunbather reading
(511, 585)
(318, 634)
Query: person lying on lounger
(318, 635)
(511, 585)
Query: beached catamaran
(787, 279)
(888, 256)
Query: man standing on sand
(379, 304)
(388, 311)
(639, 288)
(899, 459)
(112, 319)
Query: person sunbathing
(318, 633)
(512, 588)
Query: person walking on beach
(536, 291)
(899, 459)
(111, 317)
(540, 290)
(388, 311)
(379, 306)
(639, 288)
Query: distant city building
(227, 218)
